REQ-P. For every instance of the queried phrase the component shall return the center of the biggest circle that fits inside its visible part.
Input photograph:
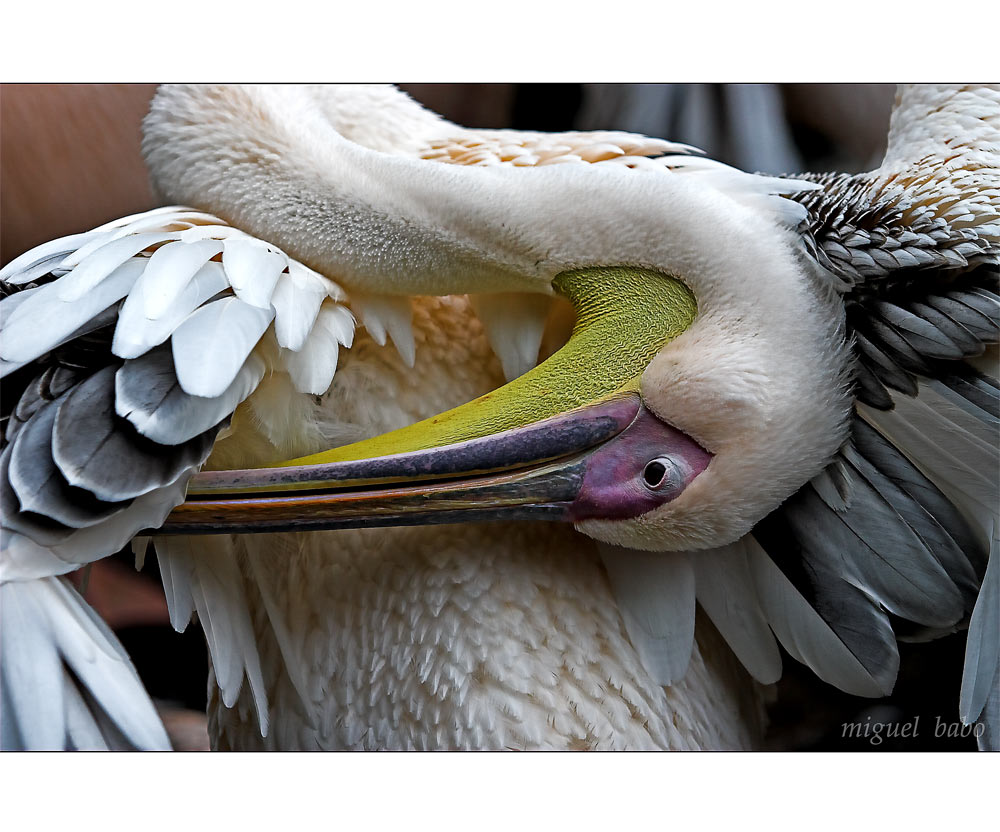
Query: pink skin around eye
(614, 487)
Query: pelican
(773, 421)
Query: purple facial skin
(646, 465)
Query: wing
(125, 352)
(895, 536)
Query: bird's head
(704, 381)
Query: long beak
(569, 440)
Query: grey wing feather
(39, 485)
(914, 247)
(149, 396)
(960, 307)
(724, 589)
(821, 641)
(981, 678)
(794, 538)
(97, 451)
(924, 508)
(974, 392)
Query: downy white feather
(140, 545)
(514, 324)
(21, 270)
(169, 271)
(93, 263)
(177, 575)
(388, 314)
(296, 300)
(173, 218)
(164, 214)
(253, 270)
(203, 572)
(313, 367)
(135, 333)
(258, 549)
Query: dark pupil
(653, 473)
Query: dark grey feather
(986, 322)
(869, 389)
(46, 387)
(975, 393)
(968, 343)
(893, 464)
(870, 546)
(853, 616)
(58, 379)
(970, 318)
(31, 400)
(102, 453)
(834, 485)
(921, 334)
(40, 529)
(943, 532)
(893, 344)
(40, 486)
(885, 369)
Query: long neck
(331, 176)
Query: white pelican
(777, 403)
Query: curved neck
(331, 175)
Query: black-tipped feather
(149, 395)
(893, 344)
(885, 369)
(41, 530)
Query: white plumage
(502, 636)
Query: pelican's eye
(662, 473)
(646, 465)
